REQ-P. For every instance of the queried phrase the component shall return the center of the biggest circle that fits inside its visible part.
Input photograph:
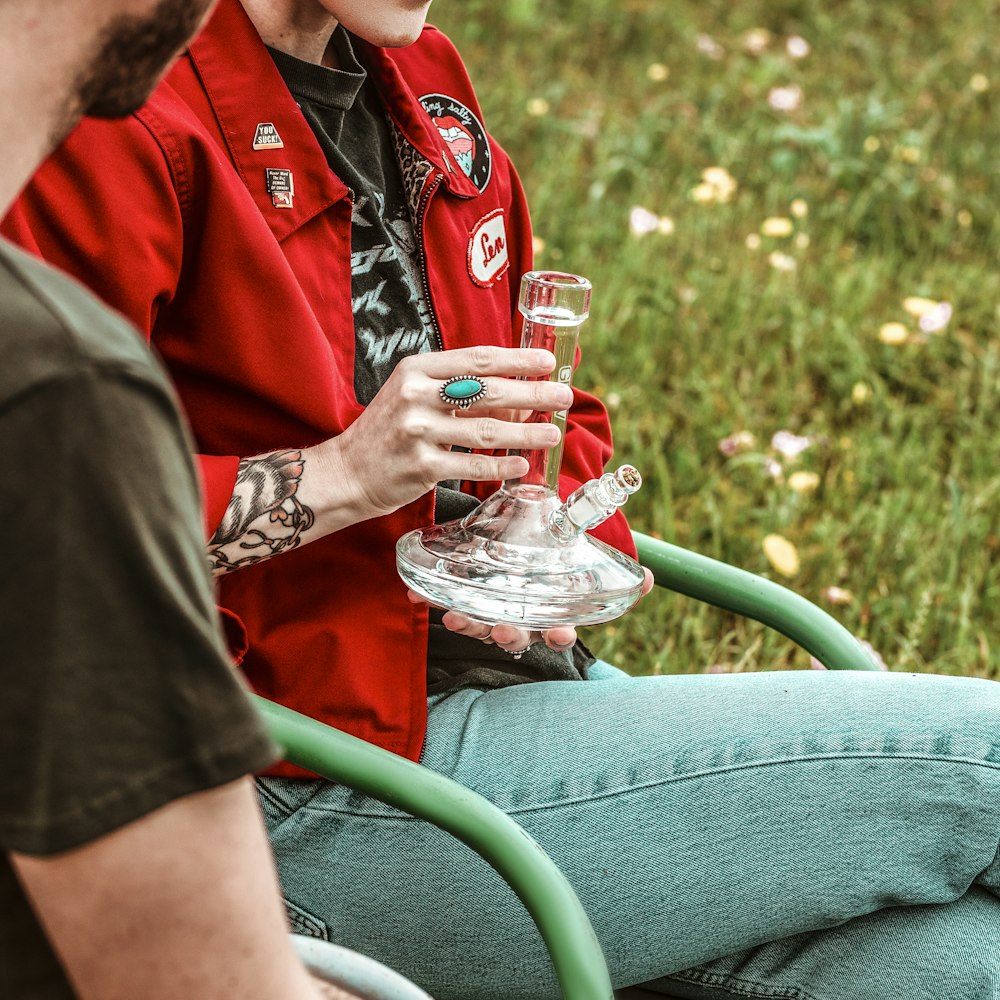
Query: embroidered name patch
(488, 261)
(463, 134)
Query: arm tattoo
(264, 485)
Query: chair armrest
(752, 596)
(548, 897)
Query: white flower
(537, 107)
(790, 445)
(708, 46)
(752, 241)
(785, 98)
(774, 468)
(781, 261)
(657, 72)
(837, 596)
(797, 47)
(936, 319)
(799, 208)
(642, 221)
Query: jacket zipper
(422, 214)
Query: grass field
(835, 276)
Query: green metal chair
(548, 897)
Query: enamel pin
(266, 137)
(280, 186)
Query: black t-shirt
(343, 108)
(117, 692)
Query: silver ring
(462, 391)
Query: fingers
(510, 637)
(485, 360)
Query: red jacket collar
(245, 90)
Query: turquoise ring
(462, 391)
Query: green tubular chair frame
(545, 892)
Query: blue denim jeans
(799, 835)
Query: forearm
(181, 903)
(280, 501)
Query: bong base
(503, 564)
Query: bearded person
(133, 860)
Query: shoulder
(433, 59)
(51, 326)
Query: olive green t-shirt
(116, 693)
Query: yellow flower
(756, 40)
(799, 208)
(537, 245)
(979, 83)
(781, 554)
(872, 144)
(893, 333)
(776, 225)
(658, 72)
(917, 306)
(704, 194)
(964, 218)
(801, 241)
(721, 182)
(538, 106)
(861, 393)
(752, 241)
(803, 482)
(908, 154)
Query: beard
(131, 56)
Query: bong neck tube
(554, 306)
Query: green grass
(694, 335)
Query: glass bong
(523, 556)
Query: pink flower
(735, 443)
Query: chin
(389, 25)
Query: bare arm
(182, 903)
(393, 453)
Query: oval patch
(488, 260)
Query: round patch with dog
(464, 136)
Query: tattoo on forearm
(265, 485)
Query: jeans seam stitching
(744, 987)
(674, 779)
